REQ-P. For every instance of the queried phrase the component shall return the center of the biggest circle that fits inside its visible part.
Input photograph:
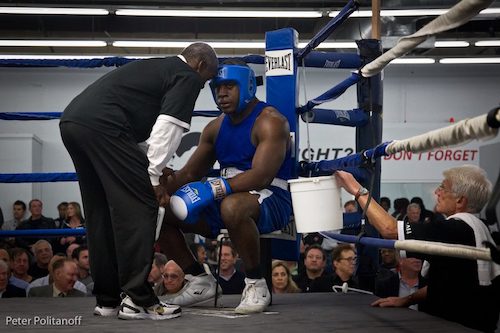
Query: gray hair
(470, 181)
(413, 205)
(203, 52)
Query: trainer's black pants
(120, 212)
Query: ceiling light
(470, 61)
(183, 44)
(65, 57)
(487, 43)
(333, 45)
(219, 13)
(53, 43)
(53, 11)
(415, 61)
(451, 43)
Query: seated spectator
(8, 290)
(426, 215)
(413, 212)
(172, 280)
(282, 279)
(81, 257)
(74, 220)
(350, 206)
(313, 278)
(20, 260)
(48, 279)
(400, 205)
(5, 256)
(200, 253)
(18, 212)
(405, 281)
(35, 221)
(155, 275)
(385, 202)
(65, 275)
(70, 249)
(43, 253)
(230, 279)
(344, 263)
(61, 209)
(388, 259)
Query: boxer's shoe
(197, 289)
(255, 297)
(159, 311)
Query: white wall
(416, 98)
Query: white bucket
(316, 204)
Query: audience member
(344, 263)
(200, 253)
(35, 221)
(43, 253)
(61, 209)
(155, 275)
(404, 282)
(282, 279)
(65, 275)
(385, 202)
(460, 290)
(69, 250)
(48, 279)
(314, 278)
(20, 264)
(400, 205)
(350, 206)
(74, 220)
(81, 257)
(18, 212)
(8, 290)
(426, 215)
(173, 280)
(230, 279)
(5, 256)
(388, 259)
(413, 213)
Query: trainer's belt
(232, 171)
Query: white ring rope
(459, 14)
(459, 133)
(444, 249)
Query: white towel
(486, 270)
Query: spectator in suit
(405, 281)
(43, 253)
(230, 279)
(8, 290)
(65, 275)
(155, 275)
(35, 221)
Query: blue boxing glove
(187, 202)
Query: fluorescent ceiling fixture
(219, 13)
(53, 11)
(217, 45)
(415, 61)
(470, 61)
(451, 43)
(488, 43)
(54, 43)
(333, 45)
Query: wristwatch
(362, 191)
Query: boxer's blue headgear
(242, 76)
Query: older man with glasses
(344, 263)
(460, 290)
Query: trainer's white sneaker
(255, 297)
(197, 289)
(160, 311)
(105, 311)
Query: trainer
(149, 100)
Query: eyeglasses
(170, 276)
(350, 259)
(442, 188)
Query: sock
(195, 269)
(254, 273)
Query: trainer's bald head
(202, 58)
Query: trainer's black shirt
(453, 290)
(130, 98)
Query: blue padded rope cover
(43, 232)
(369, 241)
(353, 118)
(57, 115)
(38, 177)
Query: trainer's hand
(161, 195)
(166, 172)
(347, 181)
(187, 202)
(391, 302)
